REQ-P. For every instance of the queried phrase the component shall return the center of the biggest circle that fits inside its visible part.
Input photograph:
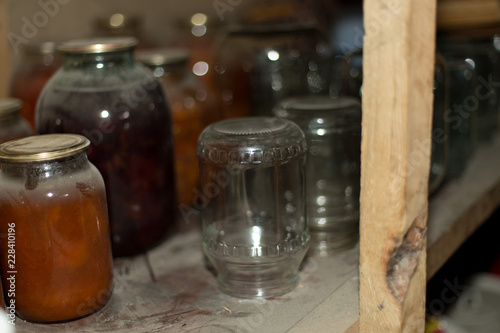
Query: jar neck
(37, 172)
(98, 61)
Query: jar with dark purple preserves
(102, 93)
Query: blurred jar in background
(122, 25)
(461, 122)
(440, 127)
(198, 34)
(193, 108)
(37, 64)
(12, 125)
(258, 65)
(485, 100)
(272, 49)
(332, 129)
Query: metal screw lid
(98, 45)
(39, 148)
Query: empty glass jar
(333, 132)
(440, 127)
(253, 201)
(101, 92)
(258, 65)
(485, 100)
(461, 120)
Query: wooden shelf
(172, 289)
(463, 205)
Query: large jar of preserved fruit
(103, 94)
(193, 109)
(54, 229)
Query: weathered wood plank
(398, 62)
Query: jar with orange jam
(54, 231)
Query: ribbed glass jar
(253, 204)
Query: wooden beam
(5, 68)
(398, 67)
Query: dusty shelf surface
(171, 289)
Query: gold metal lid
(98, 45)
(39, 148)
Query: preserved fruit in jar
(55, 228)
(101, 92)
(193, 108)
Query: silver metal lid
(39, 148)
(98, 45)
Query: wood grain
(398, 63)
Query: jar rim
(98, 45)
(40, 148)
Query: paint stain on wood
(403, 260)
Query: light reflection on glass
(256, 234)
(200, 68)
(273, 55)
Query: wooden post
(5, 69)
(398, 67)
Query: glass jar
(485, 100)
(102, 93)
(333, 132)
(193, 108)
(55, 225)
(198, 34)
(253, 204)
(461, 120)
(259, 65)
(36, 66)
(440, 127)
(122, 25)
(12, 125)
